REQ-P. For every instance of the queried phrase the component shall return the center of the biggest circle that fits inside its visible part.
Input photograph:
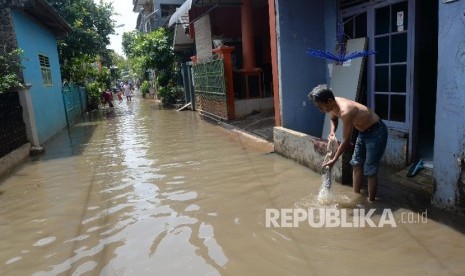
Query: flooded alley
(143, 190)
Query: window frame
(45, 69)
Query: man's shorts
(369, 148)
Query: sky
(125, 16)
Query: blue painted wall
(450, 120)
(35, 39)
(301, 26)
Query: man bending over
(371, 140)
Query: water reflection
(139, 190)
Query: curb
(13, 159)
(246, 138)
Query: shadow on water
(74, 139)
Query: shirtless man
(371, 140)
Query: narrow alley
(143, 190)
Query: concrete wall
(246, 107)
(304, 149)
(10, 161)
(395, 155)
(449, 146)
(203, 38)
(300, 27)
(47, 101)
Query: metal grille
(44, 61)
(210, 88)
(209, 78)
(12, 127)
(74, 98)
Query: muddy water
(145, 191)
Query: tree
(92, 26)
(10, 68)
(151, 50)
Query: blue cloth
(369, 148)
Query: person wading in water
(371, 140)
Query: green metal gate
(210, 88)
(75, 101)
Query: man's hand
(330, 163)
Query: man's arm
(333, 125)
(346, 139)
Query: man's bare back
(369, 146)
(360, 116)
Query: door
(389, 78)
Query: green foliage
(10, 68)
(94, 90)
(81, 69)
(163, 78)
(92, 26)
(129, 43)
(171, 94)
(104, 77)
(152, 51)
(101, 82)
(144, 88)
(149, 50)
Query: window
(168, 9)
(386, 24)
(45, 69)
(390, 81)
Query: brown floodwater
(142, 190)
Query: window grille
(45, 69)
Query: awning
(180, 12)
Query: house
(34, 26)
(415, 81)
(154, 13)
(414, 73)
(232, 62)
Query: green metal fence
(75, 101)
(210, 88)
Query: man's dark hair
(321, 93)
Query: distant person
(371, 140)
(107, 97)
(127, 91)
(120, 95)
